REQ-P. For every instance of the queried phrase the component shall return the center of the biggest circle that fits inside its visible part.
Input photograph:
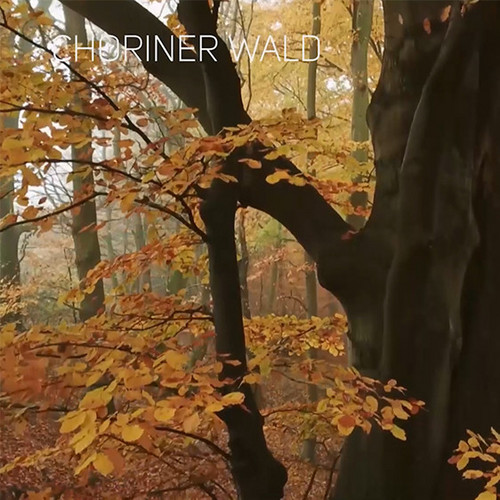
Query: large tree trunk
(438, 338)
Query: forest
(249, 250)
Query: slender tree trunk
(109, 242)
(85, 237)
(274, 278)
(9, 239)
(243, 266)
(140, 242)
(362, 14)
(10, 271)
(273, 287)
(309, 445)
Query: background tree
(84, 223)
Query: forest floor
(144, 478)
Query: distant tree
(84, 220)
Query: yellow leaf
(462, 463)
(277, 176)
(175, 359)
(13, 143)
(131, 433)
(96, 399)
(463, 446)
(191, 423)
(84, 463)
(164, 414)
(398, 433)
(103, 464)
(72, 421)
(473, 442)
(93, 379)
(371, 404)
(487, 495)
(214, 407)
(252, 378)
(87, 437)
(104, 426)
(148, 177)
(233, 398)
(473, 474)
(297, 181)
(127, 202)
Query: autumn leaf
(176, 359)
(463, 461)
(191, 423)
(233, 398)
(127, 202)
(83, 439)
(103, 464)
(30, 177)
(398, 433)
(163, 414)
(371, 404)
(277, 176)
(214, 407)
(487, 495)
(346, 424)
(96, 398)
(72, 421)
(131, 433)
(255, 164)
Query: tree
(9, 241)
(362, 14)
(418, 282)
(84, 223)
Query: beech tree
(84, 222)
(418, 281)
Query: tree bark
(9, 239)
(309, 444)
(140, 242)
(85, 237)
(362, 14)
(243, 263)
(437, 240)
